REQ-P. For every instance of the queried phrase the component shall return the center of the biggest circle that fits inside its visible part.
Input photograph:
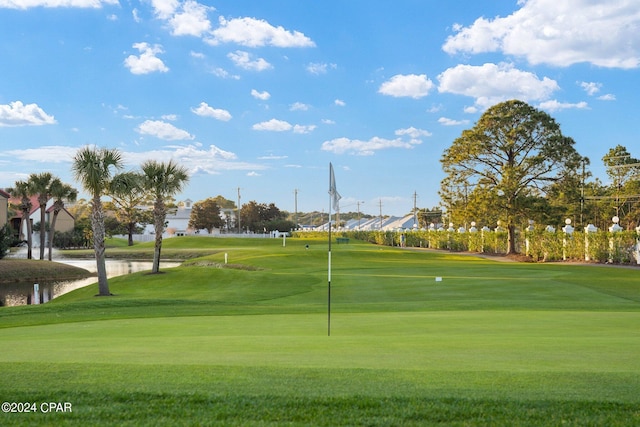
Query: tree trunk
(43, 230)
(97, 223)
(511, 239)
(159, 214)
(29, 238)
(131, 227)
(52, 229)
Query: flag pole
(334, 198)
(329, 277)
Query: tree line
(516, 166)
(99, 171)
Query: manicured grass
(246, 343)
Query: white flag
(335, 196)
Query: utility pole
(359, 203)
(380, 204)
(295, 206)
(415, 209)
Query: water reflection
(24, 293)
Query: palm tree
(21, 189)
(39, 184)
(59, 192)
(92, 167)
(162, 180)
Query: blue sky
(262, 95)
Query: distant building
(4, 207)
(65, 221)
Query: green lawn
(493, 343)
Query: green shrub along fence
(620, 247)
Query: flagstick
(329, 277)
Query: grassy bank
(245, 343)
(19, 270)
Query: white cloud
(205, 110)
(164, 9)
(328, 122)
(272, 157)
(339, 103)
(444, 121)
(411, 85)
(18, 114)
(298, 106)
(554, 105)
(244, 60)
(191, 20)
(224, 74)
(198, 55)
(365, 148)
(147, 62)
(607, 97)
(491, 83)
(304, 128)
(253, 32)
(26, 4)
(590, 87)
(162, 130)
(253, 173)
(559, 33)
(273, 125)
(260, 95)
(413, 132)
(318, 68)
(46, 153)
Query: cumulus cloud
(253, 32)
(162, 130)
(260, 95)
(303, 128)
(190, 20)
(411, 85)
(273, 125)
(26, 4)
(445, 121)
(369, 147)
(554, 105)
(245, 60)
(590, 87)
(491, 83)
(560, 33)
(147, 62)
(298, 106)
(18, 114)
(413, 133)
(205, 110)
(365, 148)
(46, 153)
(339, 103)
(318, 68)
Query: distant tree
(6, 239)
(261, 217)
(59, 192)
(39, 185)
(624, 172)
(127, 192)
(162, 181)
(205, 215)
(22, 190)
(93, 168)
(512, 153)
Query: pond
(24, 293)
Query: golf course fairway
(249, 342)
